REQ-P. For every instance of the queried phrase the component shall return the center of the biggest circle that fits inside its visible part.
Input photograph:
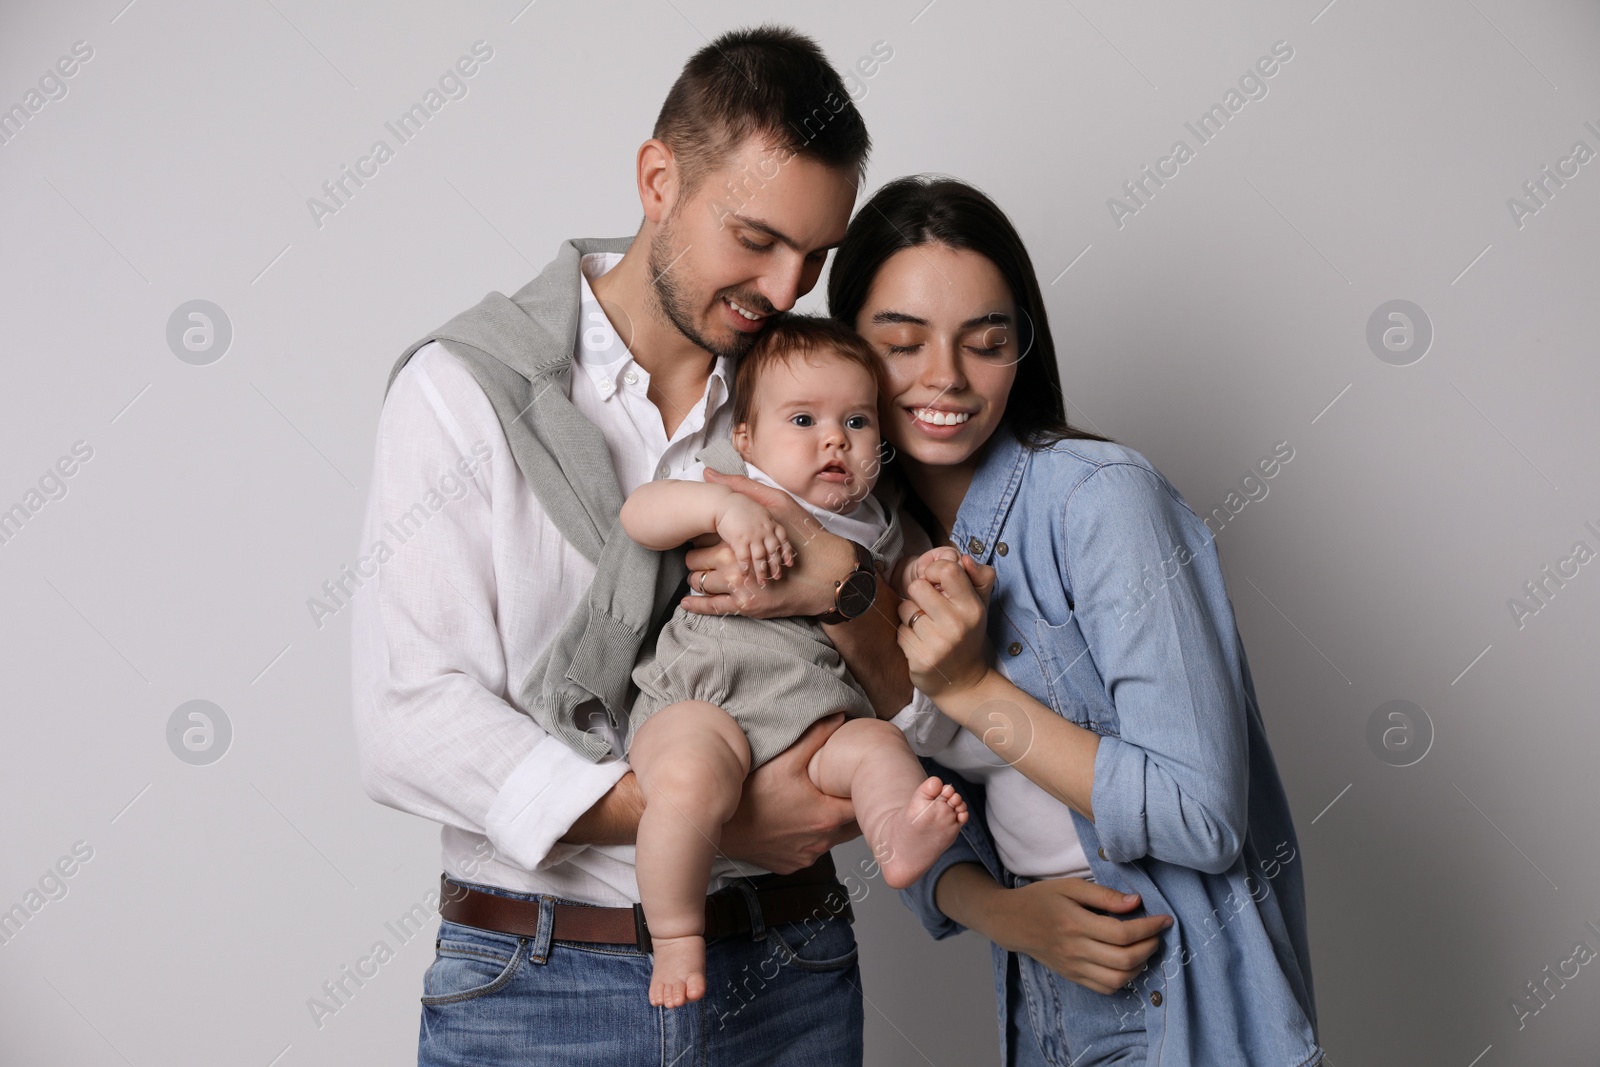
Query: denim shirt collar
(994, 489)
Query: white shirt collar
(862, 524)
(603, 356)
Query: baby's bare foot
(679, 974)
(909, 840)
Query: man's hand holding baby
(817, 560)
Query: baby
(723, 694)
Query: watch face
(857, 593)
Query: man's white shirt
(447, 630)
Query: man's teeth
(941, 418)
(747, 314)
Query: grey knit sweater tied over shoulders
(519, 349)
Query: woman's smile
(940, 423)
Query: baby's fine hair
(788, 336)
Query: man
(746, 184)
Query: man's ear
(659, 179)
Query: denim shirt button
(1001, 548)
(1102, 852)
(1155, 998)
(1014, 648)
(975, 546)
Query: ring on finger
(912, 622)
(702, 589)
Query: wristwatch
(855, 593)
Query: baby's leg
(909, 818)
(691, 760)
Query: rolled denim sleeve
(919, 895)
(972, 845)
(1150, 602)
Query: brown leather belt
(810, 893)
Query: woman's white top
(1032, 830)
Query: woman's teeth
(941, 418)
(747, 314)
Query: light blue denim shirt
(1110, 608)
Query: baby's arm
(663, 515)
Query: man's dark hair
(770, 81)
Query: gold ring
(702, 589)
(912, 622)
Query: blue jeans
(1053, 1021)
(786, 996)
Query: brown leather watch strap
(813, 892)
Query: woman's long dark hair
(922, 209)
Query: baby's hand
(759, 541)
(919, 569)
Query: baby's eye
(857, 422)
(802, 421)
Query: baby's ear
(741, 440)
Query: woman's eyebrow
(898, 318)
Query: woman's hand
(942, 622)
(820, 561)
(1052, 922)
(1057, 923)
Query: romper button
(1102, 852)
(1155, 999)
(975, 546)
(1001, 548)
(663, 471)
(629, 377)
(1014, 648)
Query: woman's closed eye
(900, 350)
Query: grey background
(1226, 316)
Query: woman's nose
(942, 370)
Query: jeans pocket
(809, 946)
(470, 963)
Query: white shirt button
(605, 387)
(663, 470)
(629, 377)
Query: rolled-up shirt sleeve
(1150, 602)
(435, 731)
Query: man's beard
(674, 305)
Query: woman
(1118, 733)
